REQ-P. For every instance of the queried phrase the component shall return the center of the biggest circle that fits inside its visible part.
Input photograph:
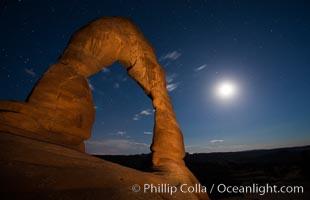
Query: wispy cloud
(90, 85)
(148, 133)
(136, 117)
(171, 77)
(116, 147)
(30, 72)
(172, 86)
(118, 133)
(105, 70)
(121, 133)
(170, 56)
(201, 67)
(146, 112)
(216, 141)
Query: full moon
(226, 90)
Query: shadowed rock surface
(42, 139)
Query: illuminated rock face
(60, 108)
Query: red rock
(40, 137)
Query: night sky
(260, 47)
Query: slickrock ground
(32, 169)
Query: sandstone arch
(60, 109)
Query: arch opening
(124, 116)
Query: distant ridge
(280, 166)
(242, 151)
(267, 149)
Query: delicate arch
(61, 106)
(60, 110)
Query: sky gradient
(261, 46)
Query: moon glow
(226, 90)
